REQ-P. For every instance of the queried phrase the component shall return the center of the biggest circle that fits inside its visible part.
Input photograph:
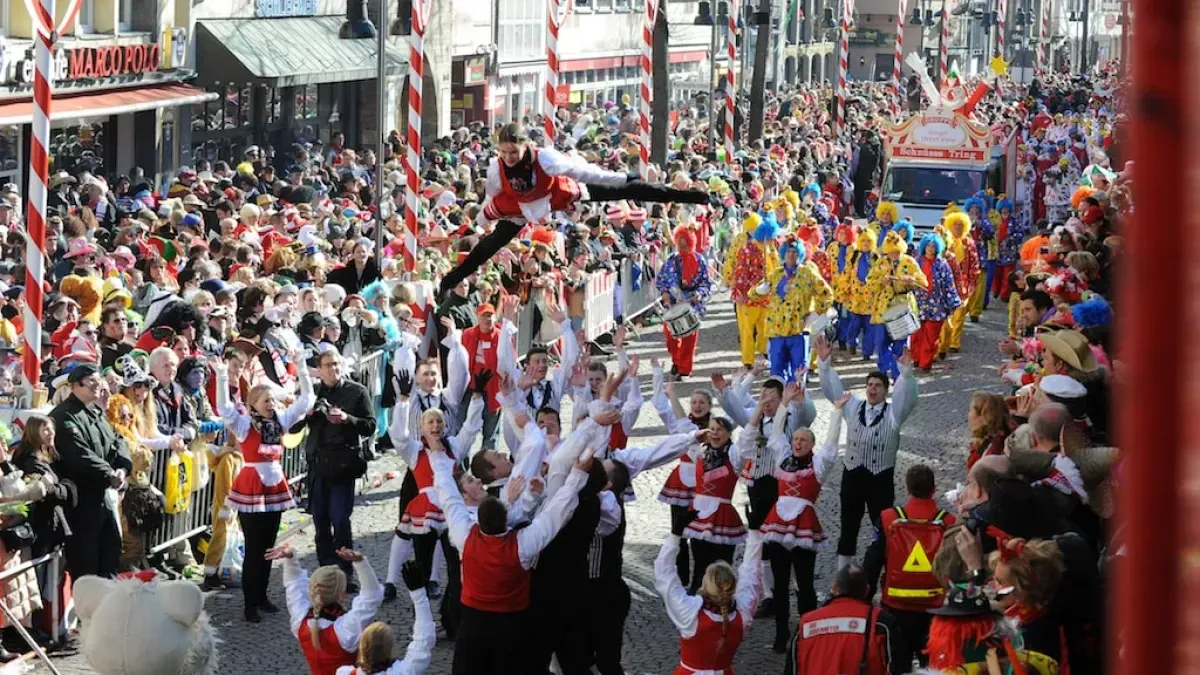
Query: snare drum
(682, 320)
(900, 321)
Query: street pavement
(934, 435)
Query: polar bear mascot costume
(131, 627)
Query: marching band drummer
(683, 278)
(893, 277)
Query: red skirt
(803, 531)
(675, 492)
(422, 516)
(724, 526)
(249, 494)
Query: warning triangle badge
(918, 560)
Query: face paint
(195, 379)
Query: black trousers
(491, 643)
(680, 517)
(705, 553)
(610, 603)
(913, 628)
(506, 230)
(424, 546)
(260, 530)
(562, 631)
(784, 563)
(861, 490)
(763, 494)
(95, 546)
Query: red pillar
(1158, 403)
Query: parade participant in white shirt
(328, 633)
(712, 622)
(872, 441)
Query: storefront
(115, 106)
(469, 90)
(282, 78)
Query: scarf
(927, 268)
(1002, 229)
(788, 274)
(715, 457)
(689, 266)
(864, 266)
(841, 259)
(792, 463)
(269, 428)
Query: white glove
(763, 288)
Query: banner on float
(940, 134)
(598, 315)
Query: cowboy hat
(60, 178)
(1072, 348)
(78, 247)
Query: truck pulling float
(942, 155)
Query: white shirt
(684, 609)
(554, 163)
(349, 626)
(420, 647)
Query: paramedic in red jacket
(830, 640)
(495, 567)
(904, 548)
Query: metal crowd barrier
(50, 598)
(197, 518)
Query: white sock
(844, 560)
(401, 549)
(768, 580)
(439, 561)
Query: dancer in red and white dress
(717, 528)
(423, 520)
(260, 492)
(713, 622)
(680, 486)
(791, 530)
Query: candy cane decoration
(416, 78)
(898, 57)
(1002, 12)
(944, 45)
(648, 18)
(39, 178)
(843, 66)
(1044, 39)
(731, 86)
(556, 16)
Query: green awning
(288, 52)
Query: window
(125, 15)
(306, 102)
(604, 5)
(274, 106)
(4, 7)
(78, 145)
(86, 17)
(10, 153)
(623, 5)
(522, 29)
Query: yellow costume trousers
(752, 331)
(224, 469)
(975, 306)
(952, 330)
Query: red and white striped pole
(944, 46)
(416, 79)
(649, 16)
(843, 66)
(1044, 39)
(556, 16)
(899, 57)
(1001, 14)
(45, 36)
(731, 83)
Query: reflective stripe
(835, 625)
(915, 592)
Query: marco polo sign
(94, 63)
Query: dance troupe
(532, 535)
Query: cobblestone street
(935, 435)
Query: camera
(322, 406)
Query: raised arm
(424, 635)
(831, 383)
(350, 626)
(904, 399)
(531, 456)
(671, 448)
(749, 582)
(303, 403)
(458, 369)
(826, 456)
(458, 520)
(556, 163)
(471, 426)
(683, 609)
(632, 408)
(531, 540)
(731, 403)
(506, 351)
(295, 591)
(237, 421)
(406, 446)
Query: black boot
(251, 614)
(782, 637)
(268, 606)
(212, 582)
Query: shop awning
(101, 104)
(287, 52)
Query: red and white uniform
(793, 519)
(261, 485)
(701, 650)
(423, 513)
(557, 182)
(716, 520)
(680, 487)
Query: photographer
(341, 418)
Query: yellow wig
(751, 223)
(961, 219)
(865, 242)
(890, 209)
(894, 243)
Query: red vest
(913, 538)
(830, 640)
(617, 438)
(562, 191)
(482, 354)
(492, 577)
(700, 651)
(330, 657)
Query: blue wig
(1005, 204)
(1094, 311)
(768, 229)
(931, 238)
(813, 189)
(906, 230)
(977, 203)
(792, 245)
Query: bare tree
(660, 104)
(758, 82)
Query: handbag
(17, 536)
(344, 464)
